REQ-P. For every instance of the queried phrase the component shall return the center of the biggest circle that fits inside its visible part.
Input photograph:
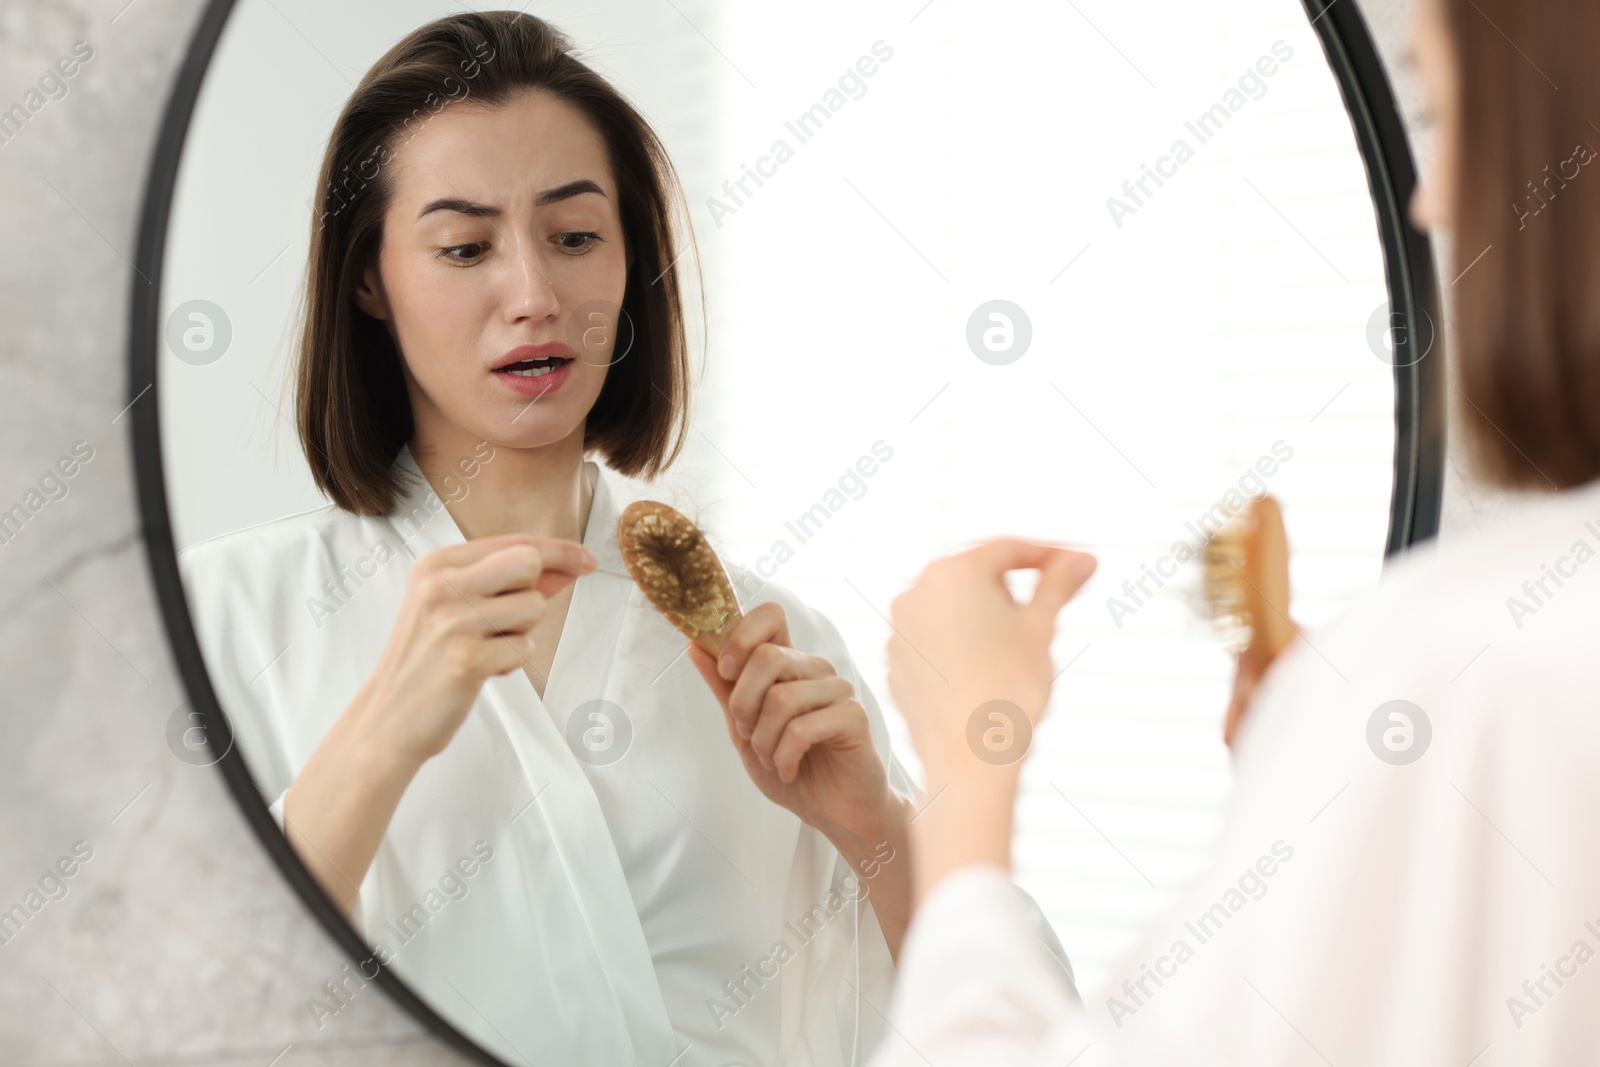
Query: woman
(1409, 873)
(481, 739)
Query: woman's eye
(463, 253)
(585, 239)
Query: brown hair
(1528, 313)
(353, 412)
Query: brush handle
(1266, 566)
(712, 643)
(1266, 596)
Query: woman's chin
(533, 426)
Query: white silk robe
(557, 909)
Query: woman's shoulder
(1477, 632)
(318, 535)
(1521, 583)
(280, 539)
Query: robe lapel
(566, 803)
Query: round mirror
(851, 288)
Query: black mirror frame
(144, 341)
(1419, 410)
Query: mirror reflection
(446, 291)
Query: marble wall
(176, 942)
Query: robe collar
(567, 807)
(425, 523)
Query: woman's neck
(493, 489)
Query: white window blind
(1228, 313)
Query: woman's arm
(967, 661)
(970, 824)
(805, 741)
(970, 669)
(340, 805)
(881, 855)
(975, 986)
(468, 614)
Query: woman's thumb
(1060, 579)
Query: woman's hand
(962, 641)
(797, 725)
(967, 662)
(1249, 666)
(1264, 570)
(468, 613)
(806, 743)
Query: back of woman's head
(353, 410)
(1527, 180)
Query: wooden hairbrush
(675, 567)
(1245, 590)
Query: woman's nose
(532, 294)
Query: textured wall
(176, 942)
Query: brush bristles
(1223, 588)
(680, 573)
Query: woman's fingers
(500, 585)
(803, 732)
(998, 555)
(994, 558)
(509, 613)
(512, 566)
(507, 652)
(552, 582)
(961, 637)
(469, 552)
(1060, 578)
(786, 701)
(1246, 676)
(763, 624)
(707, 666)
(779, 686)
(546, 563)
(564, 563)
(721, 688)
(764, 667)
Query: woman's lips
(540, 381)
(525, 353)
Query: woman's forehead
(506, 154)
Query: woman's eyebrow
(549, 196)
(571, 189)
(462, 207)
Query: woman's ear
(369, 295)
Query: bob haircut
(353, 413)
(1528, 312)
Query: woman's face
(502, 232)
(1433, 55)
